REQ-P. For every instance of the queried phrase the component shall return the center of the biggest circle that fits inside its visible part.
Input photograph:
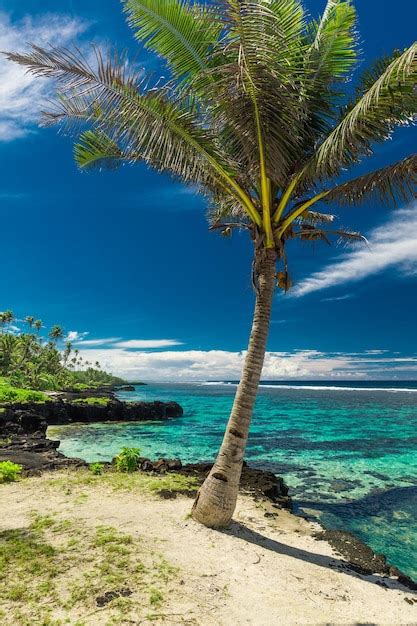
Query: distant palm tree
(258, 116)
(30, 321)
(6, 318)
(56, 333)
(38, 325)
(67, 352)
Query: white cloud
(144, 344)
(97, 342)
(394, 244)
(75, 336)
(198, 365)
(378, 351)
(22, 95)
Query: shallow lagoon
(349, 454)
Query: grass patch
(141, 482)
(92, 401)
(59, 571)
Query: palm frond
(344, 236)
(256, 93)
(313, 218)
(95, 149)
(371, 74)
(223, 208)
(348, 237)
(181, 33)
(393, 184)
(391, 101)
(333, 50)
(149, 122)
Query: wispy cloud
(96, 342)
(80, 340)
(377, 351)
(146, 344)
(21, 94)
(11, 195)
(348, 296)
(394, 244)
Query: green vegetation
(30, 361)
(9, 472)
(8, 393)
(93, 401)
(141, 482)
(96, 468)
(40, 585)
(259, 115)
(127, 460)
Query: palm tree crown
(255, 115)
(56, 333)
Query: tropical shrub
(96, 468)
(127, 460)
(8, 393)
(9, 472)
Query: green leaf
(390, 185)
(96, 149)
(391, 101)
(333, 51)
(180, 32)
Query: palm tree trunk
(216, 500)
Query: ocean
(347, 451)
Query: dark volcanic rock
(23, 428)
(112, 595)
(34, 462)
(126, 388)
(361, 558)
(59, 412)
(259, 483)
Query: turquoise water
(349, 454)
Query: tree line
(30, 359)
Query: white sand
(262, 572)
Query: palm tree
(260, 117)
(67, 352)
(6, 317)
(30, 320)
(56, 333)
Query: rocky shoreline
(23, 427)
(23, 440)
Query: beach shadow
(240, 531)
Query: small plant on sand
(9, 472)
(127, 460)
(96, 468)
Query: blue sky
(125, 262)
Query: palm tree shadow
(240, 531)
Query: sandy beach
(268, 568)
